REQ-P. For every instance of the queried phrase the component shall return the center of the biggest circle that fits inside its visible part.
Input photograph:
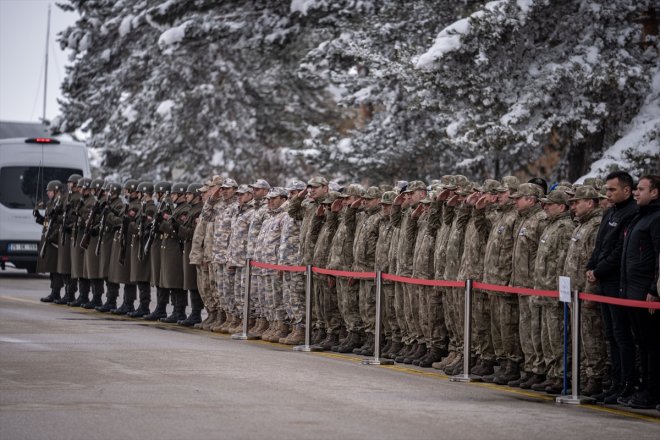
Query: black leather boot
(145, 300)
(83, 298)
(162, 296)
(68, 290)
(196, 305)
(97, 295)
(110, 299)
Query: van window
(18, 185)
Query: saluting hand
(400, 199)
(418, 211)
(320, 211)
(443, 195)
(453, 200)
(336, 206)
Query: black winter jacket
(639, 261)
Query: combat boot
(237, 326)
(161, 306)
(532, 379)
(417, 354)
(541, 386)
(385, 348)
(290, 330)
(97, 295)
(483, 368)
(417, 360)
(441, 365)
(52, 297)
(394, 349)
(330, 340)
(145, 301)
(406, 351)
(210, 317)
(318, 336)
(196, 306)
(368, 343)
(68, 296)
(456, 367)
(261, 327)
(128, 305)
(555, 387)
(281, 331)
(594, 386)
(626, 393)
(296, 337)
(610, 393)
(507, 373)
(515, 383)
(83, 296)
(432, 356)
(229, 323)
(352, 342)
(220, 320)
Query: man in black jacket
(639, 278)
(603, 267)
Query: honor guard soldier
(65, 225)
(47, 257)
(185, 234)
(78, 213)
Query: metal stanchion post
(246, 305)
(565, 364)
(379, 317)
(308, 315)
(467, 337)
(575, 398)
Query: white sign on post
(565, 289)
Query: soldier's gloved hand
(331, 281)
(336, 205)
(400, 199)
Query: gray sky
(22, 51)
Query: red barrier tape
(277, 267)
(476, 285)
(344, 273)
(387, 276)
(516, 290)
(620, 301)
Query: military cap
(603, 192)
(330, 197)
(193, 188)
(565, 183)
(459, 180)
(429, 198)
(585, 192)
(163, 187)
(54, 185)
(229, 183)
(244, 189)
(98, 183)
(354, 189)
(385, 187)
(489, 186)
(540, 182)
(74, 178)
(277, 191)
(85, 183)
(528, 189)
(212, 183)
(508, 183)
(415, 185)
(567, 189)
(114, 188)
(388, 198)
(260, 184)
(556, 196)
(593, 181)
(445, 181)
(179, 188)
(466, 189)
(373, 192)
(131, 185)
(317, 181)
(146, 188)
(296, 185)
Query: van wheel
(31, 267)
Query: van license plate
(22, 247)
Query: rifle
(49, 228)
(155, 223)
(143, 215)
(123, 235)
(104, 217)
(84, 241)
(65, 219)
(75, 226)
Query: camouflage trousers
(551, 336)
(458, 316)
(238, 300)
(317, 301)
(448, 312)
(482, 341)
(391, 328)
(329, 315)
(399, 312)
(225, 281)
(293, 296)
(530, 323)
(207, 286)
(274, 305)
(349, 303)
(504, 324)
(432, 317)
(593, 353)
(367, 300)
(411, 310)
(258, 292)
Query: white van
(26, 167)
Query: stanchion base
(574, 400)
(307, 348)
(243, 337)
(464, 378)
(376, 361)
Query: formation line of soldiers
(195, 240)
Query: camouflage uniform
(196, 256)
(398, 323)
(364, 252)
(270, 235)
(325, 296)
(293, 283)
(260, 277)
(547, 335)
(446, 218)
(382, 263)
(529, 226)
(583, 241)
(237, 254)
(212, 210)
(221, 234)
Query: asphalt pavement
(68, 373)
